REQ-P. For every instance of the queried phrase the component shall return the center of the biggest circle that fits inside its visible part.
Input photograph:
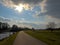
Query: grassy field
(9, 40)
(51, 38)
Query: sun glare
(19, 8)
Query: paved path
(25, 39)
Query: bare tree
(51, 26)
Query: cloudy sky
(30, 13)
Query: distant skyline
(30, 13)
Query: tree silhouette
(14, 28)
(0, 25)
(51, 26)
(4, 26)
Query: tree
(5, 26)
(33, 29)
(14, 28)
(51, 26)
(0, 25)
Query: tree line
(6, 27)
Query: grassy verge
(51, 38)
(9, 40)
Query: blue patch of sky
(7, 12)
(26, 14)
(36, 8)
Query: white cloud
(7, 3)
(26, 4)
(49, 18)
(36, 15)
(3, 19)
(43, 6)
(10, 4)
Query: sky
(30, 13)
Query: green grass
(9, 40)
(51, 38)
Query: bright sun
(19, 8)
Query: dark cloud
(53, 8)
(27, 1)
